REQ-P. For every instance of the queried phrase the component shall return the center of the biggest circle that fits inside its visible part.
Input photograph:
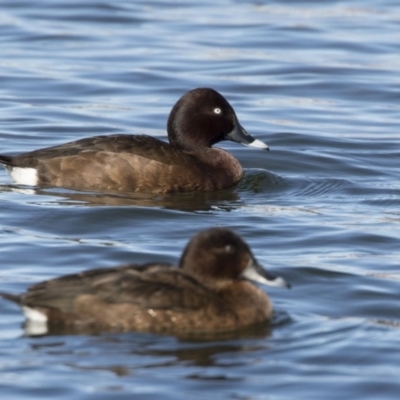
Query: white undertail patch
(36, 322)
(24, 176)
(34, 315)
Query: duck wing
(140, 145)
(152, 286)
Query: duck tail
(11, 297)
(6, 160)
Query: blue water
(319, 82)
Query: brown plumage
(139, 163)
(208, 292)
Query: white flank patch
(24, 176)
(34, 315)
(259, 144)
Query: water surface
(320, 83)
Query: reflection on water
(153, 348)
(203, 201)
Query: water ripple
(319, 83)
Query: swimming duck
(209, 291)
(138, 163)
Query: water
(319, 83)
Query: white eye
(228, 248)
(217, 110)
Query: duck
(211, 290)
(201, 118)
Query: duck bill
(254, 272)
(240, 135)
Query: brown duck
(139, 163)
(210, 291)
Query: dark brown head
(203, 117)
(217, 257)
